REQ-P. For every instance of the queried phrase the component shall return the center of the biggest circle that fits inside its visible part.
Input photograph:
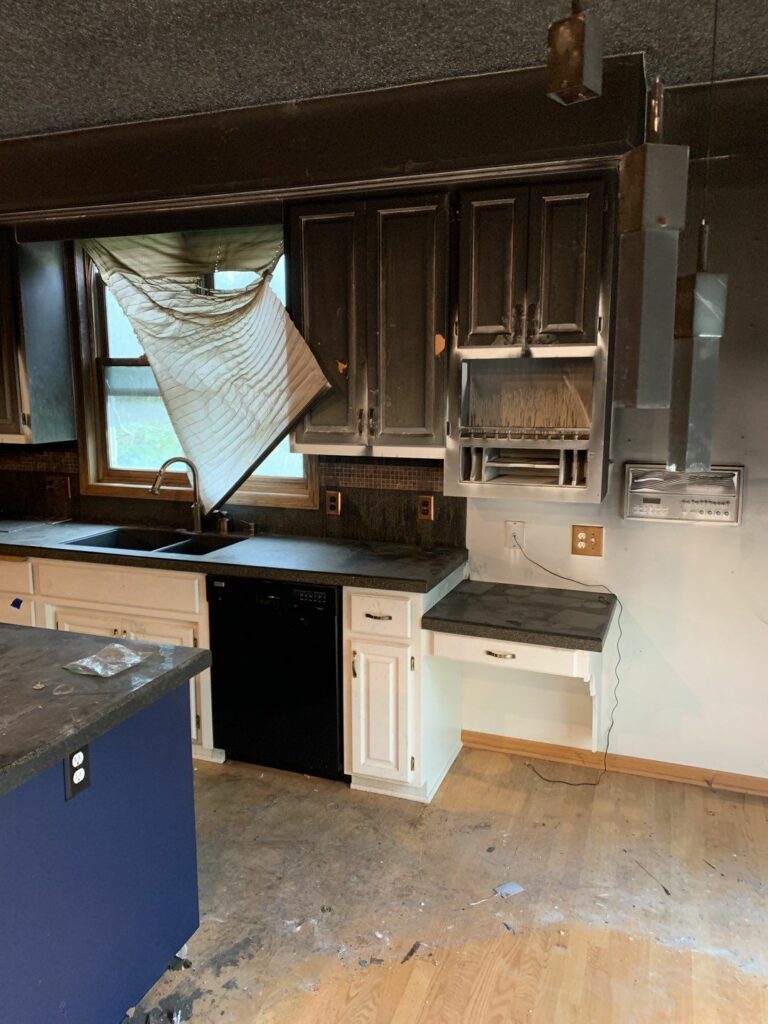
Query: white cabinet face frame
(380, 709)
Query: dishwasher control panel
(712, 496)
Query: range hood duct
(699, 326)
(652, 201)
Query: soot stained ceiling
(66, 64)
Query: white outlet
(513, 529)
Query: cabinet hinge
(447, 428)
(26, 419)
(413, 663)
(197, 722)
(194, 641)
(599, 324)
(413, 764)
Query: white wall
(695, 673)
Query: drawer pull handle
(380, 618)
(504, 656)
(354, 664)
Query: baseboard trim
(732, 782)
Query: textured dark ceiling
(67, 64)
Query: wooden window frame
(97, 476)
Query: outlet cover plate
(513, 528)
(587, 540)
(333, 503)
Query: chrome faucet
(197, 508)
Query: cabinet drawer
(115, 585)
(15, 575)
(23, 616)
(504, 654)
(381, 615)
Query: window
(128, 431)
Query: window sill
(301, 497)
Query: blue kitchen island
(98, 877)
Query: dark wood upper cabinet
(564, 260)
(36, 390)
(326, 267)
(407, 321)
(10, 412)
(530, 264)
(493, 265)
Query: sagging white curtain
(233, 370)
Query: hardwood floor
(643, 902)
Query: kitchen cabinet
(120, 602)
(17, 606)
(531, 265)
(369, 293)
(380, 709)
(36, 391)
(402, 718)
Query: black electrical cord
(580, 583)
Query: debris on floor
(508, 889)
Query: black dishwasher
(276, 674)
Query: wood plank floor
(643, 902)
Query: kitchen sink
(126, 538)
(200, 545)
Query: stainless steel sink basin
(126, 538)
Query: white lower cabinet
(152, 605)
(380, 709)
(402, 722)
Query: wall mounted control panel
(712, 496)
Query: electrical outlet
(513, 529)
(77, 772)
(333, 503)
(426, 507)
(587, 540)
(58, 486)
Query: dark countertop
(39, 727)
(299, 559)
(573, 619)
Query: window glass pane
(123, 343)
(139, 433)
(232, 280)
(282, 462)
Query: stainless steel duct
(652, 201)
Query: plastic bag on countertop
(109, 661)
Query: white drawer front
(381, 615)
(117, 585)
(15, 575)
(504, 654)
(22, 616)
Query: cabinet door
(326, 268)
(564, 263)
(85, 620)
(166, 631)
(407, 358)
(493, 236)
(380, 685)
(10, 422)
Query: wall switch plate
(77, 772)
(513, 529)
(426, 507)
(587, 540)
(333, 503)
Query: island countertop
(548, 616)
(40, 724)
(345, 563)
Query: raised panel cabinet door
(326, 274)
(564, 263)
(85, 620)
(10, 419)
(380, 684)
(166, 631)
(493, 236)
(407, 321)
